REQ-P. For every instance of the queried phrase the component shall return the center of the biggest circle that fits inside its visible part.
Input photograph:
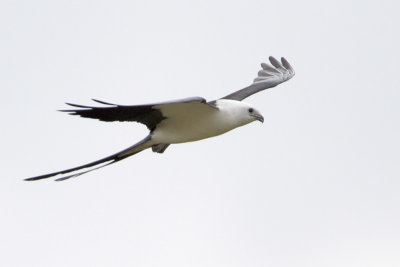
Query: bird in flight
(179, 121)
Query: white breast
(195, 121)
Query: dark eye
(251, 110)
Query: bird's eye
(251, 110)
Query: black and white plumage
(180, 121)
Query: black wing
(268, 77)
(149, 115)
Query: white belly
(187, 123)
(191, 129)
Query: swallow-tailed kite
(180, 121)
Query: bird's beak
(258, 117)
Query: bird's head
(247, 114)
(254, 114)
(241, 112)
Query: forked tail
(132, 150)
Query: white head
(240, 112)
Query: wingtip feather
(77, 106)
(103, 102)
(275, 62)
(287, 65)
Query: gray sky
(316, 185)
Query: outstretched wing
(268, 77)
(149, 115)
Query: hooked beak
(258, 117)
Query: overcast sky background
(316, 185)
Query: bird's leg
(159, 148)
